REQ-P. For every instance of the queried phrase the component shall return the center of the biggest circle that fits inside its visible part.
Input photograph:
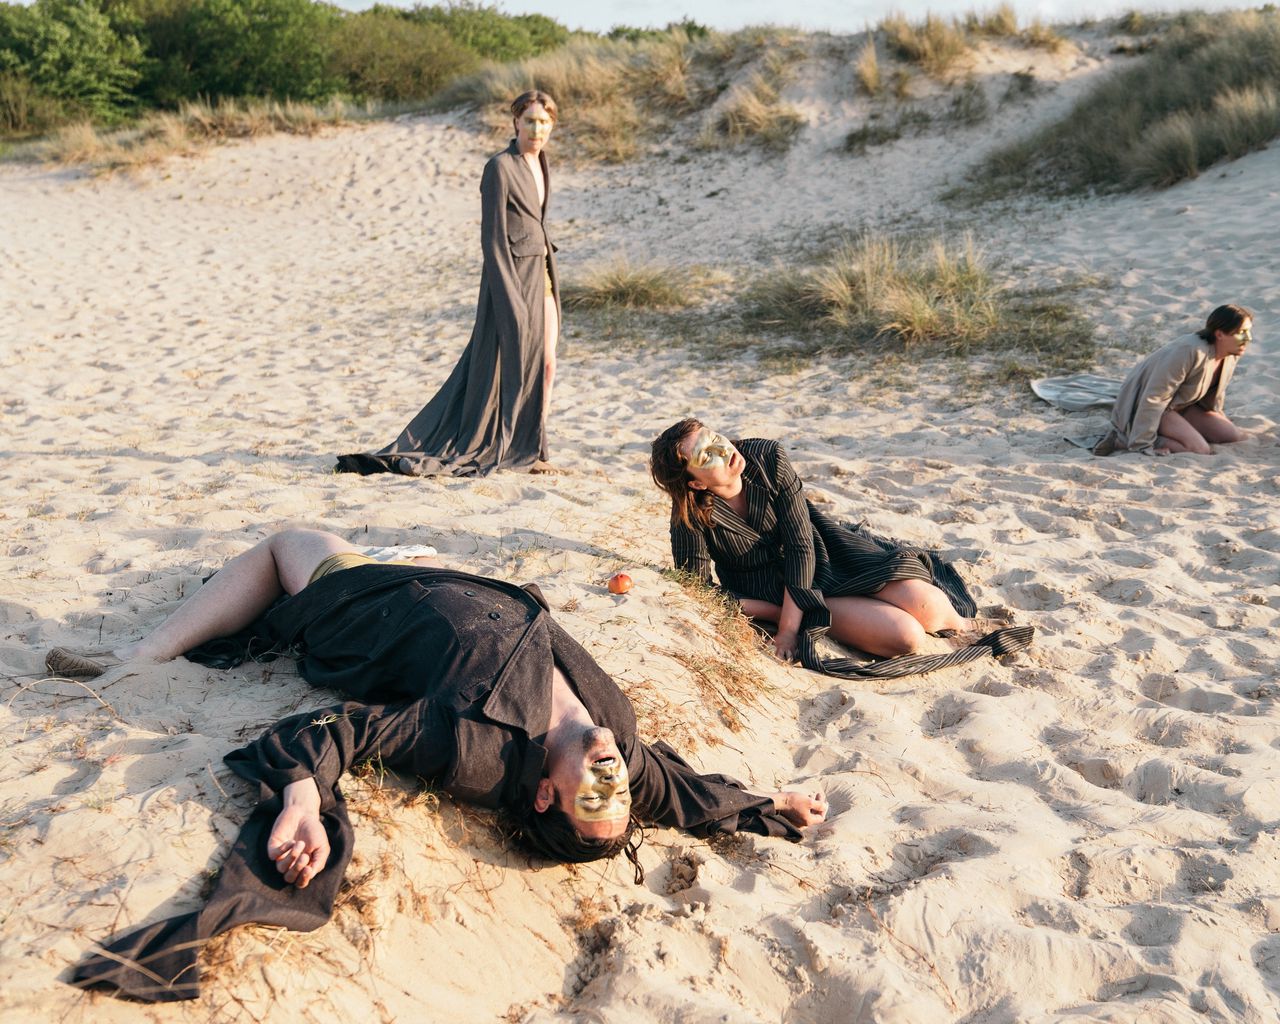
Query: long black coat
(489, 413)
(784, 542)
(453, 676)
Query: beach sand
(1085, 832)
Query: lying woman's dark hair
(551, 834)
(669, 470)
(1227, 319)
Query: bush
(489, 33)
(380, 54)
(68, 51)
(24, 110)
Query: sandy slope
(1086, 833)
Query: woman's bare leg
(876, 627)
(1178, 435)
(924, 602)
(1214, 427)
(241, 591)
(550, 337)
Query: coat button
(470, 593)
(495, 615)
(386, 612)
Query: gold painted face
(710, 450)
(533, 127)
(604, 793)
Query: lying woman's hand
(786, 645)
(298, 842)
(801, 809)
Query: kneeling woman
(1173, 400)
(740, 507)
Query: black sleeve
(667, 791)
(689, 551)
(416, 737)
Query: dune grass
(866, 69)
(1208, 90)
(930, 296)
(159, 136)
(617, 95)
(625, 285)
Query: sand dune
(1084, 833)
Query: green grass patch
(1208, 90)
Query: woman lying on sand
(492, 411)
(738, 505)
(1172, 401)
(458, 679)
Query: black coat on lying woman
(739, 507)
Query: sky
(829, 15)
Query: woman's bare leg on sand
(241, 591)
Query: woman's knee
(903, 635)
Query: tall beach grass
(1208, 89)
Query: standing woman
(1173, 400)
(739, 506)
(492, 411)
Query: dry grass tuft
(623, 285)
(752, 113)
(163, 135)
(934, 295)
(936, 44)
(867, 69)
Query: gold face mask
(710, 450)
(604, 794)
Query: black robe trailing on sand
(489, 414)
(784, 542)
(453, 678)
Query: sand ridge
(1084, 833)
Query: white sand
(1085, 833)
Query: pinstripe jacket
(784, 542)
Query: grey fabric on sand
(1078, 392)
(489, 413)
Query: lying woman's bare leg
(1178, 435)
(241, 591)
(876, 627)
(924, 602)
(1214, 427)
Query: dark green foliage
(1210, 89)
(969, 106)
(690, 28)
(24, 109)
(382, 54)
(69, 56)
(489, 33)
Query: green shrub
(24, 110)
(380, 54)
(69, 52)
(489, 33)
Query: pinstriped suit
(783, 541)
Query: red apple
(619, 583)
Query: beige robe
(1174, 377)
